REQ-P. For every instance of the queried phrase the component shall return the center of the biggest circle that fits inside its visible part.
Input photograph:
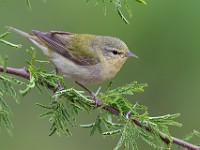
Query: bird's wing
(77, 50)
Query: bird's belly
(82, 74)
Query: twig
(21, 72)
(25, 74)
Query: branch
(22, 72)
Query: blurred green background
(165, 35)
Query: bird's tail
(34, 39)
(22, 33)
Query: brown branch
(25, 74)
(21, 72)
(162, 136)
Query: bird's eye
(115, 52)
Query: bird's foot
(128, 114)
(95, 98)
(59, 87)
(93, 95)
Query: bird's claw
(93, 95)
(95, 98)
(59, 87)
(128, 114)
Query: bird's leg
(128, 114)
(98, 90)
(94, 95)
(95, 98)
(59, 87)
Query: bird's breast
(90, 74)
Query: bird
(85, 58)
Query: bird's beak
(129, 54)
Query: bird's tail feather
(22, 33)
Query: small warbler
(88, 59)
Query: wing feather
(61, 43)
